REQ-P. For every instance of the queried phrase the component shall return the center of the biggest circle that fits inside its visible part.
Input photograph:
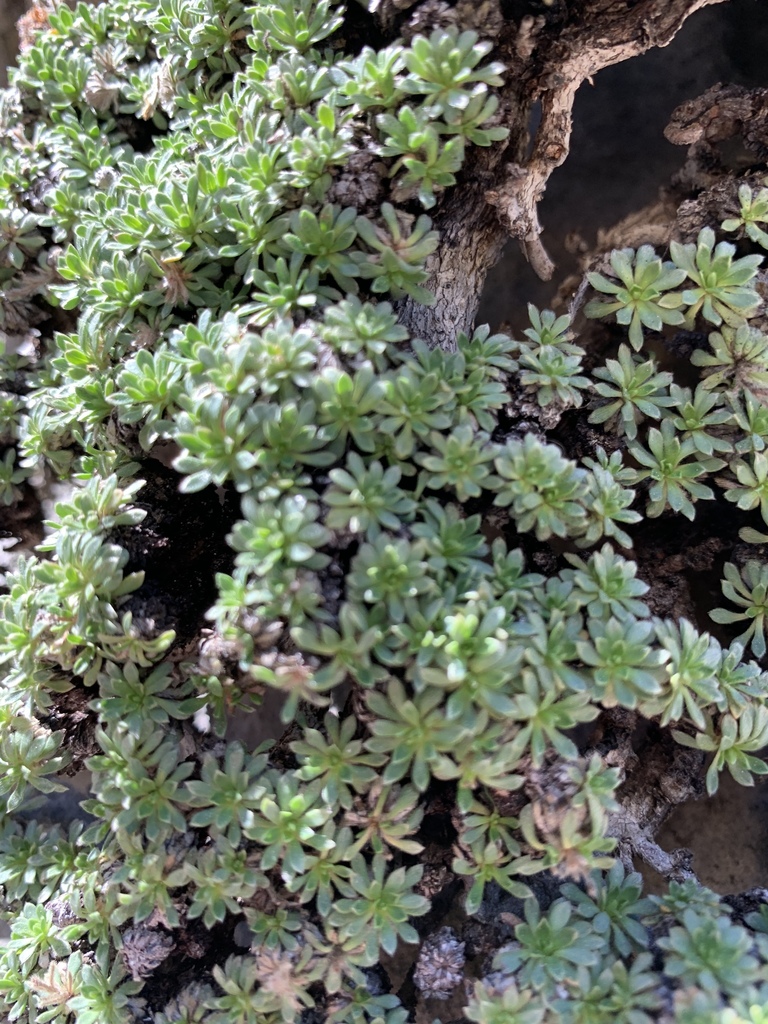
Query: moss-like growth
(211, 215)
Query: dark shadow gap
(619, 157)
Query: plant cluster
(173, 188)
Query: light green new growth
(212, 214)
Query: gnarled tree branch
(499, 195)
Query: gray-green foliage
(228, 301)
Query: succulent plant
(264, 484)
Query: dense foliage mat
(260, 485)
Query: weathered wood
(499, 192)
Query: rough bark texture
(547, 60)
(471, 241)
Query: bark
(498, 195)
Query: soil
(10, 12)
(727, 834)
